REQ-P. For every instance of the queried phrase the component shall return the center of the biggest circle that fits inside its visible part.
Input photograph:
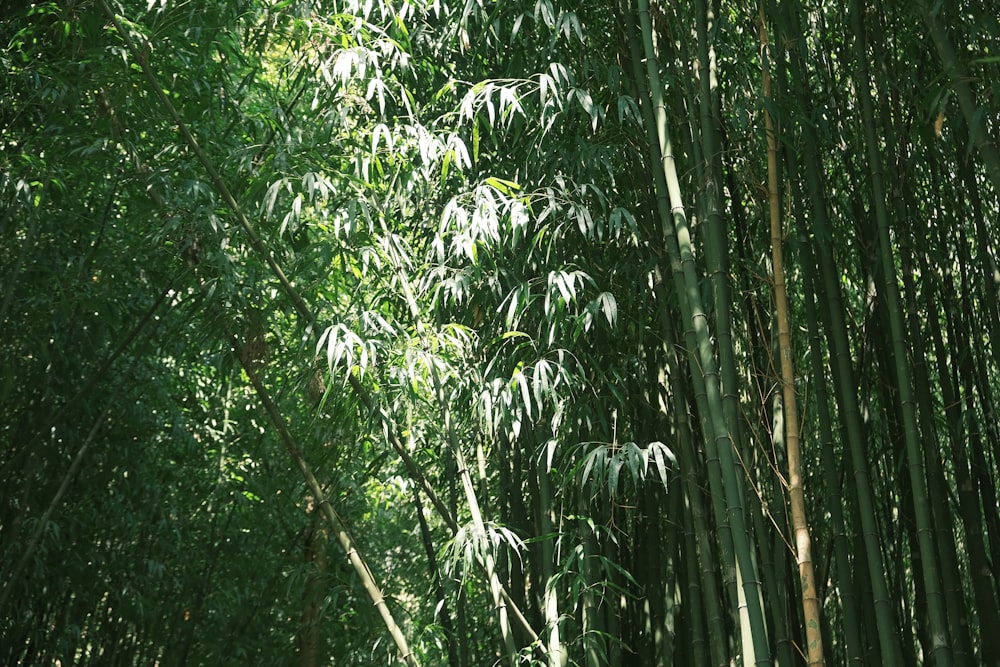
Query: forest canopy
(499, 333)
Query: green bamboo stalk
(716, 244)
(941, 652)
(693, 603)
(614, 601)
(938, 486)
(716, 494)
(981, 283)
(756, 650)
(666, 578)
(479, 526)
(461, 615)
(960, 83)
(592, 621)
(694, 498)
(977, 398)
(985, 281)
(718, 269)
(985, 602)
(772, 546)
(556, 656)
(436, 580)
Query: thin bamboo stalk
(800, 527)
(336, 523)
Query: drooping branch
(336, 523)
(299, 303)
(302, 308)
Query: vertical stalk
(757, 650)
(693, 605)
(845, 581)
(941, 652)
(594, 629)
(557, 656)
(461, 618)
(829, 292)
(478, 525)
(666, 579)
(435, 572)
(695, 492)
(716, 495)
(314, 590)
(938, 487)
(968, 503)
(796, 495)
(695, 510)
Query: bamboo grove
(475, 333)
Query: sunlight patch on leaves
(605, 464)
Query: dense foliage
(499, 333)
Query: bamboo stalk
(796, 495)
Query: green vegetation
(474, 333)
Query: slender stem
(43, 522)
(336, 523)
(803, 542)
